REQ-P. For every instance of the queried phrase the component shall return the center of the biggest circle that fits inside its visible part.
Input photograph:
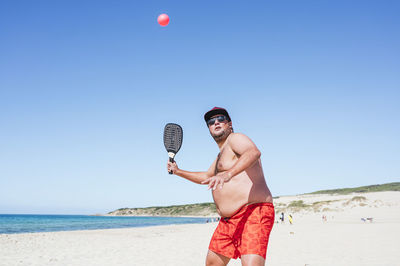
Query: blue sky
(86, 88)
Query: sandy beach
(343, 239)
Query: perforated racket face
(173, 136)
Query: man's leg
(215, 259)
(252, 260)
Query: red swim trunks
(246, 232)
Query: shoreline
(103, 230)
(49, 224)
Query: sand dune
(344, 239)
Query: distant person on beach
(290, 219)
(240, 193)
(282, 217)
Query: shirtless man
(240, 194)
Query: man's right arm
(196, 177)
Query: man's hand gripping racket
(173, 137)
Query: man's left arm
(248, 155)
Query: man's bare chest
(225, 160)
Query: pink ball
(163, 20)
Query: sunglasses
(220, 118)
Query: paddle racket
(173, 136)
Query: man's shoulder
(235, 137)
(239, 142)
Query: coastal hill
(198, 209)
(318, 201)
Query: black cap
(216, 111)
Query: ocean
(30, 223)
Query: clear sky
(86, 88)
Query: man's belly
(239, 192)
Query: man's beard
(220, 136)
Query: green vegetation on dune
(198, 209)
(297, 204)
(358, 198)
(372, 188)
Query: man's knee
(252, 260)
(210, 261)
(214, 259)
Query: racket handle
(171, 160)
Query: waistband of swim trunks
(259, 204)
(249, 206)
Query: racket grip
(171, 160)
